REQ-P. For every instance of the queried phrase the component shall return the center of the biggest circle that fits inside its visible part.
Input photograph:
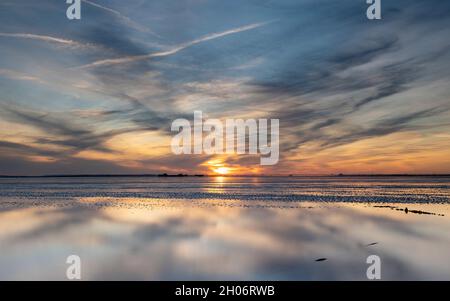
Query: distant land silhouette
(213, 175)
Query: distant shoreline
(229, 176)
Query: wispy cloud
(47, 39)
(174, 50)
(12, 74)
(120, 16)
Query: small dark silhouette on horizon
(212, 175)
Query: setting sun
(222, 170)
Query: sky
(98, 95)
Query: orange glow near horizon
(219, 166)
(222, 170)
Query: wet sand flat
(280, 228)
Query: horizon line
(229, 175)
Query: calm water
(225, 228)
